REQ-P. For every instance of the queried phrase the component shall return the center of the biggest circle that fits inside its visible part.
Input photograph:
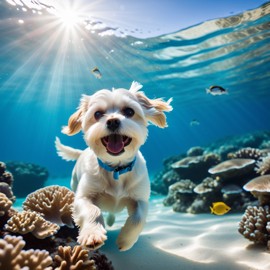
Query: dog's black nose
(113, 124)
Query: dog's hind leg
(129, 234)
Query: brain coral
(73, 259)
(54, 203)
(28, 221)
(12, 257)
(263, 166)
(255, 224)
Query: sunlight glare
(69, 18)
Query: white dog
(111, 173)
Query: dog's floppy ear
(75, 120)
(153, 108)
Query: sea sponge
(248, 152)
(12, 257)
(5, 204)
(76, 258)
(27, 221)
(255, 224)
(263, 165)
(54, 203)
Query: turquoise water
(45, 69)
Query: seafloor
(180, 232)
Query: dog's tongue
(115, 143)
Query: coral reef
(23, 252)
(255, 224)
(6, 182)
(260, 188)
(180, 195)
(28, 221)
(219, 171)
(5, 204)
(263, 165)
(195, 151)
(54, 203)
(195, 167)
(248, 152)
(75, 258)
(233, 167)
(28, 177)
(13, 257)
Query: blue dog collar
(117, 170)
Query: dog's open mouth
(115, 143)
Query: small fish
(96, 72)
(220, 208)
(194, 122)
(216, 90)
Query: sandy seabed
(182, 241)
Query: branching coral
(35, 259)
(255, 224)
(28, 221)
(248, 152)
(73, 259)
(12, 257)
(10, 248)
(5, 204)
(263, 166)
(54, 203)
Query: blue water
(45, 69)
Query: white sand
(173, 241)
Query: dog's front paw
(92, 238)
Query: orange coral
(28, 221)
(54, 203)
(73, 259)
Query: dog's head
(115, 122)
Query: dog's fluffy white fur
(114, 124)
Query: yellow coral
(73, 259)
(12, 257)
(5, 204)
(28, 221)
(54, 203)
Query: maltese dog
(111, 173)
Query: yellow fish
(220, 208)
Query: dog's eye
(98, 115)
(128, 112)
